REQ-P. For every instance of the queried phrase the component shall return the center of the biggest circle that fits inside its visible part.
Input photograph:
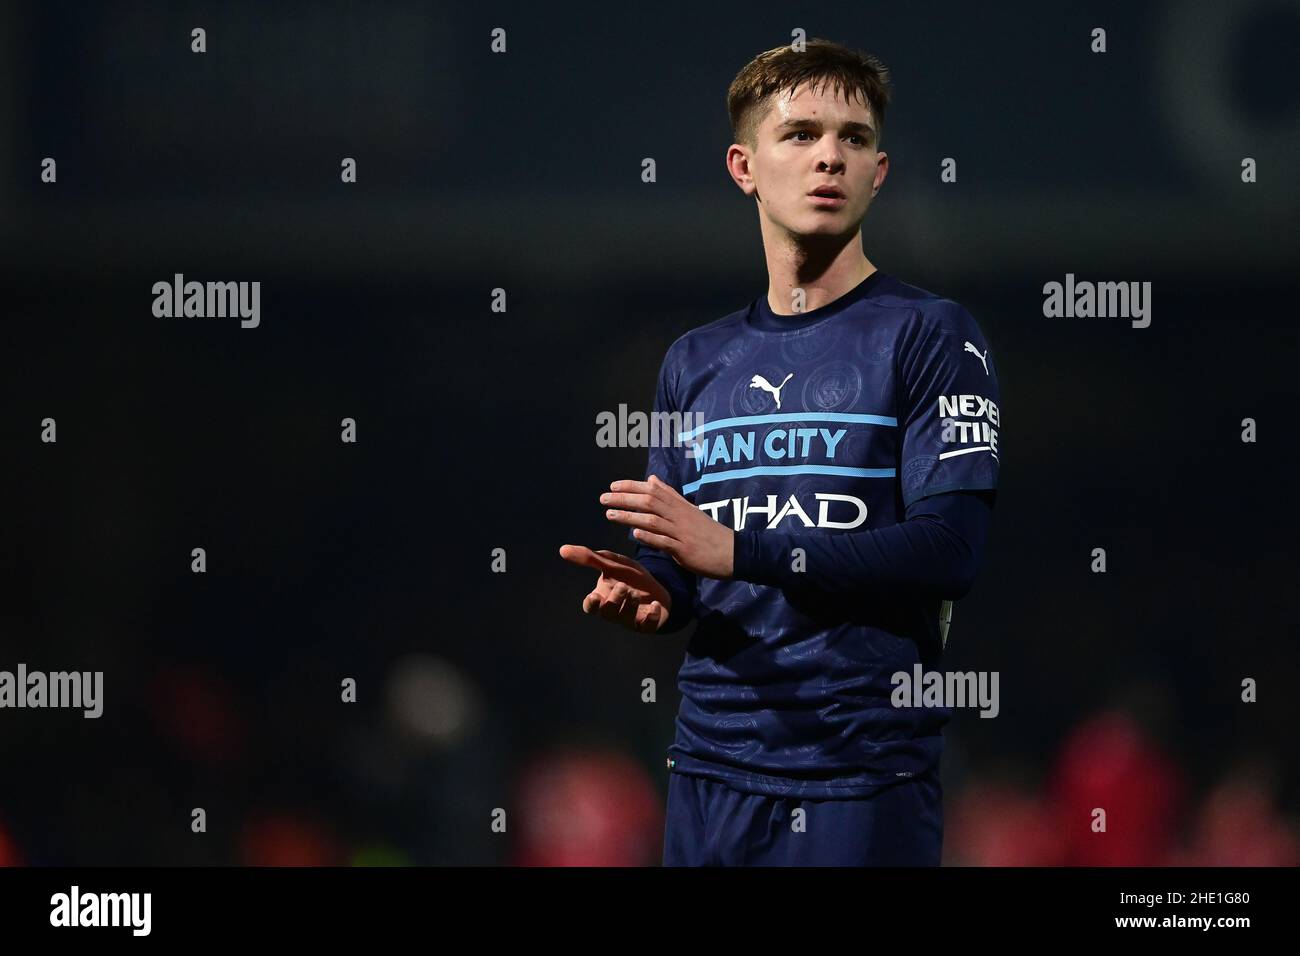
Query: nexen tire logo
(979, 422)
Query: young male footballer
(821, 521)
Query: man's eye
(803, 132)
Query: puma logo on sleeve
(982, 357)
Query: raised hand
(663, 519)
(625, 593)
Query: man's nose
(831, 160)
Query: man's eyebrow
(852, 126)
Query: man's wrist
(762, 557)
(744, 554)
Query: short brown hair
(850, 72)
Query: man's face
(807, 141)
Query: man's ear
(882, 170)
(737, 161)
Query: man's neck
(824, 274)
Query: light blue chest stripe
(790, 417)
(787, 470)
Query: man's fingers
(648, 617)
(627, 606)
(637, 519)
(632, 502)
(602, 561)
(642, 615)
(582, 555)
(611, 606)
(652, 486)
(616, 571)
(629, 613)
(659, 541)
(619, 567)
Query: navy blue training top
(823, 434)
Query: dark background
(476, 429)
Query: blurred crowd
(1110, 797)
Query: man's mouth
(829, 196)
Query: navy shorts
(710, 824)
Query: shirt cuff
(756, 557)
